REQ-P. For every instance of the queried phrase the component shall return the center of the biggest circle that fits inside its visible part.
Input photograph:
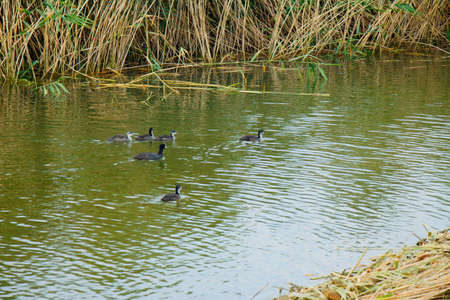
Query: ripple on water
(80, 217)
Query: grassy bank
(42, 39)
(415, 272)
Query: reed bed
(44, 39)
(415, 272)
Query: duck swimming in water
(151, 156)
(122, 137)
(252, 138)
(173, 196)
(146, 137)
(170, 137)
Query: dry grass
(415, 272)
(39, 39)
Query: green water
(364, 167)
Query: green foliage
(316, 71)
(26, 73)
(312, 71)
(406, 8)
(55, 11)
(52, 89)
(154, 64)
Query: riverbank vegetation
(415, 272)
(46, 39)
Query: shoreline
(420, 271)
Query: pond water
(365, 167)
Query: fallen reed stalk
(415, 272)
(176, 85)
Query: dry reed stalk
(113, 33)
(223, 17)
(197, 11)
(14, 41)
(393, 26)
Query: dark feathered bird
(151, 156)
(252, 138)
(173, 196)
(170, 137)
(122, 137)
(146, 137)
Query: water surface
(363, 168)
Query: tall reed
(39, 39)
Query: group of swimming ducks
(157, 156)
